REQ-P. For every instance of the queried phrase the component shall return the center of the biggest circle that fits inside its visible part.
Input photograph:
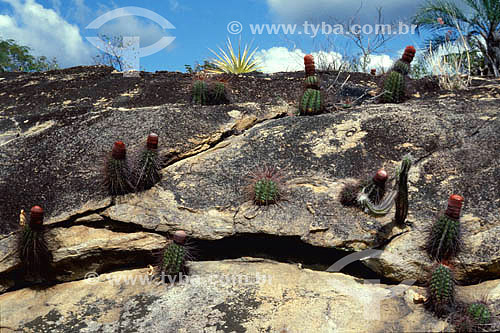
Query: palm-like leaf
(232, 63)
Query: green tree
(478, 21)
(17, 58)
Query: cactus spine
(35, 256)
(444, 241)
(311, 102)
(118, 177)
(148, 166)
(441, 291)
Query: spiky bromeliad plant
(231, 63)
(311, 102)
(441, 291)
(174, 258)
(35, 256)
(148, 167)
(444, 238)
(118, 177)
(265, 186)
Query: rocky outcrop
(52, 149)
(247, 295)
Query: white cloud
(45, 32)
(382, 61)
(300, 10)
(280, 59)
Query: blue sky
(57, 28)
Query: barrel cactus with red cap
(174, 258)
(33, 250)
(148, 166)
(444, 239)
(117, 174)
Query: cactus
(349, 194)
(373, 71)
(402, 192)
(474, 317)
(218, 93)
(401, 67)
(174, 257)
(118, 177)
(309, 65)
(444, 240)
(480, 313)
(381, 208)
(408, 54)
(265, 186)
(35, 256)
(441, 291)
(148, 165)
(311, 102)
(394, 88)
(312, 82)
(200, 92)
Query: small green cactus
(175, 257)
(266, 191)
(312, 82)
(148, 166)
(480, 313)
(219, 93)
(402, 194)
(265, 186)
(441, 291)
(394, 88)
(200, 92)
(311, 102)
(118, 177)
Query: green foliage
(472, 21)
(17, 58)
(312, 82)
(174, 259)
(118, 176)
(231, 63)
(266, 192)
(149, 169)
(444, 238)
(441, 291)
(402, 194)
(311, 102)
(207, 65)
(394, 88)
